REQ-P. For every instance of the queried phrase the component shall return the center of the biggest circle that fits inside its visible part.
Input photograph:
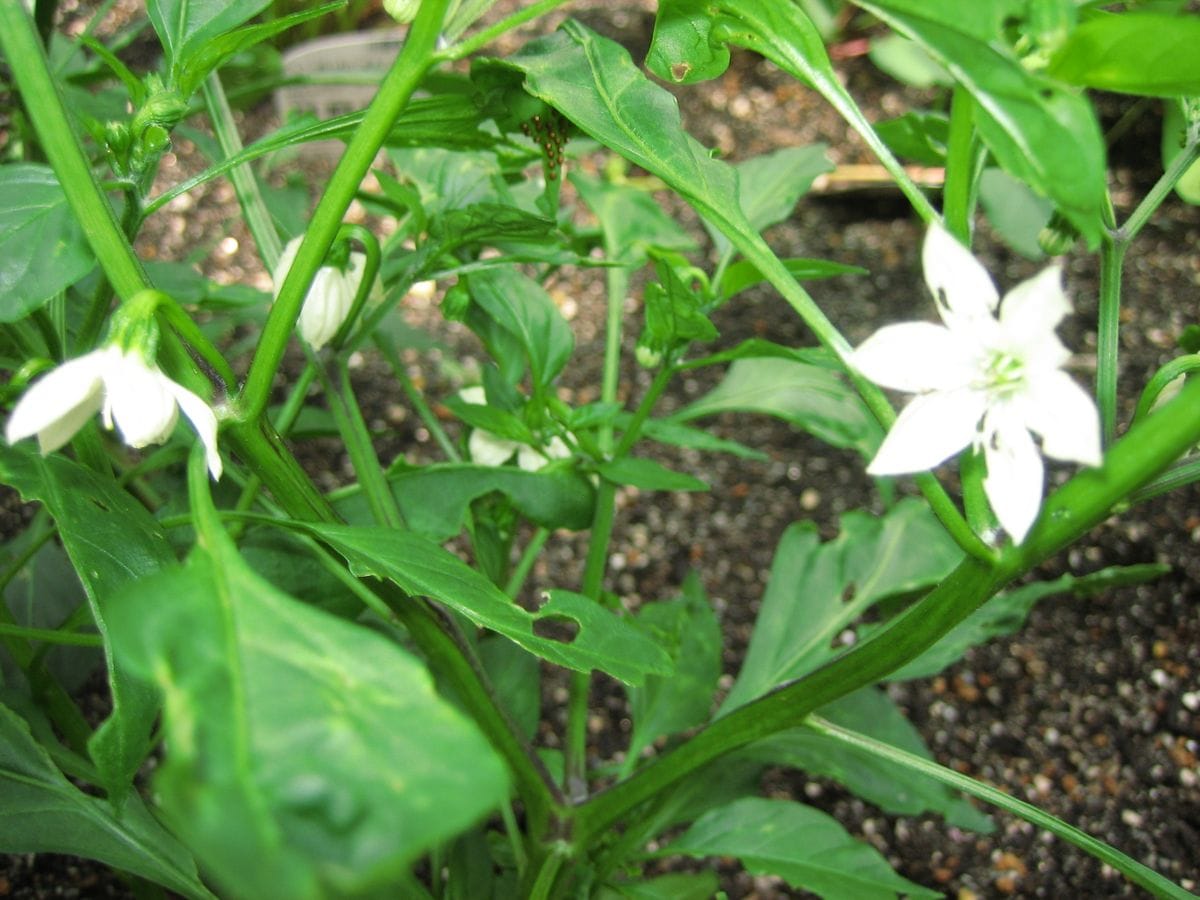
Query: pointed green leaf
(42, 812)
(185, 26)
(42, 248)
(520, 306)
(877, 780)
(306, 756)
(810, 397)
(113, 542)
(683, 50)
(816, 590)
(744, 274)
(804, 846)
(419, 566)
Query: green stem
(1083, 502)
(397, 88)
(617, 283)
(353, 429)
(1108, 334)
(51, 636)
(1157, 194)
(39, 91)
(1141, 875)
(245, 185)
(960, 169)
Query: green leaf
(682, 50)
(679, 435)
(769, 186)
(744, 274)
(1015, 211)
(435, 499)
(206, 57)
(816, 591)
(1039, 131)
(1006, 613)
(874, 779)
(1132, 53)
(689, 628)
(520, 306)
(516, 677)
(593, 82)
(630, 219)
(42, 812)
(42, 246)
(648, 475)
(489, 223)
(674, 312)
(810, 397)
(306, 756)
(419, 566)
(113, 542)
(805, 847)
(918, 135)
(185, 26)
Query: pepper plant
(311, 695)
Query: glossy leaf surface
(306, 755)
(1133, 53)
(419, 566)
(802, 845)
(42, 248)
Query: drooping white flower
(329, 298)
(986, 379)
(488, 449)
(129, 393)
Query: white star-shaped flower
(128, 392)
(329, 298)
(985, 380)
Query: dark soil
(1092, 711)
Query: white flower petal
(961, 287)
(916, 357)
(1033, 309)
(284, 265)
(325, 308)
(138, 400)
(931, 429)
(533, 459)
(58, 403)
(1065, 417)
(488, 449)
(475, 395)
(1014, 479)
(204, 421)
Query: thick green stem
(394, 93)
(21, 46)
(245, 185)
(1083, 502)
(1132, 869)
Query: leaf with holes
(594, 639)
(818, 590)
